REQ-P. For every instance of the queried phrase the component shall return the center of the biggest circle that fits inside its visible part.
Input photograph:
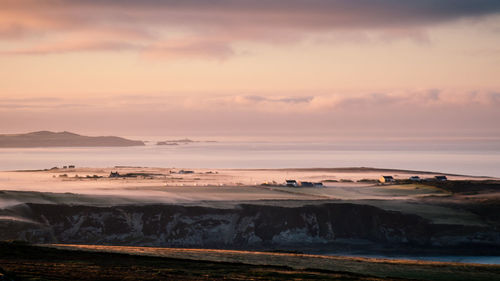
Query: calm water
(483, 162)
(461, 259)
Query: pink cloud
(70, 47)
(190, 48)
(419, 112)
(221, 23)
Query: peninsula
(62, 139)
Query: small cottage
(415, 178)
(306, 184)
(441, 178)
(386, 179)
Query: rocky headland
(62, 139)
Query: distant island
(166, 143)
(176, 142)
(62, 139)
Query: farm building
(441, 178)
(415, 178)
(385, 179)
(306, 184)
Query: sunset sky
(367, 68)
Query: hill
(62, 139)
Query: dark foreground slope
(25, 262)
(330, 227)
(62, 139)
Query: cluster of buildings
(294, 183)
(64, 167)
(382, 179)
(390, 179)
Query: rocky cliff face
(246, 226)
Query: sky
(294, 68)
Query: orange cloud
(230, 21)
(421, 113)
(69, 47)
(190, 48)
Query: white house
(384, 179)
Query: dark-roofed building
(415, 178)
(441, 178)
(186, 172)
(385, 179)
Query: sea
(464, 158)
(460, 259)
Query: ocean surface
(466, 160)
(460, 259)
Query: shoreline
(91, 262)
(247, 209)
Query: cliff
(244, 227)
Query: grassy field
(90, 262)
(290, 265)
(25, 262)
(464, 202)
(28, 262)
